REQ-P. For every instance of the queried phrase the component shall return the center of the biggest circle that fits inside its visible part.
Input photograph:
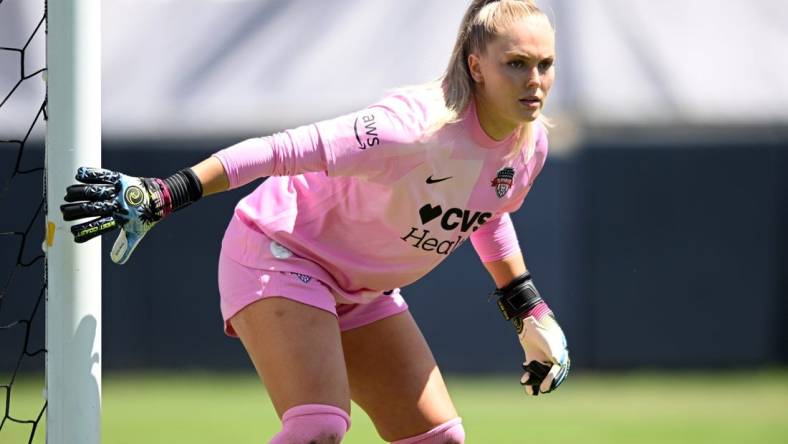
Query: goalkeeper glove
(133, 204)
(547, 360)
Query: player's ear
(475, 68)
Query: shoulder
(413, 109)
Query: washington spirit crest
(503, 181)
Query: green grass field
(589, 409)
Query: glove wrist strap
(181, 190)
(518, 298)
(539, 310)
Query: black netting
(22, 200)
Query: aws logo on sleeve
(366, 130)
(448, 220)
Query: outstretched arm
(212, 176)
(132, 204)
(337, 147)
(135, 204)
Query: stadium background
(658, 230)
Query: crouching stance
(314, 362)
(353, 209)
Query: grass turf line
(640, 408)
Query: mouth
(531, 101)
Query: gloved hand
(546, 356)
(133, 204)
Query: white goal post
(73, 302)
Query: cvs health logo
(453, 218)
(448, 220)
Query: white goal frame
(73, 271)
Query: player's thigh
(394, 378)
(297, 351)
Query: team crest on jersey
(503, 181)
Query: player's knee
(450, 432)
(313, 424)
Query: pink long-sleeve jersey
(374, 200)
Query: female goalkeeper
(356, 207)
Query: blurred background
(658, 230)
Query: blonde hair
(483, 22)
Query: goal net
(50, 83)
(22, 282)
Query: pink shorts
(240, 286)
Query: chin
(530, 117)
(526, 116)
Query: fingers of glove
(549, 382)
(533, 377)
(527, 381)
(82, 210)
(76, 193)
(124, 245)
(88, 230)
(563, 357)
(538, 369)
(97, 176)
(562, 374)
(543, 378)
(120, 248)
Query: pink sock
(447, 433)
(313, 423)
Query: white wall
(191, 67)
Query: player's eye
(516, 64)
(546, 64)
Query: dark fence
(651, 257)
